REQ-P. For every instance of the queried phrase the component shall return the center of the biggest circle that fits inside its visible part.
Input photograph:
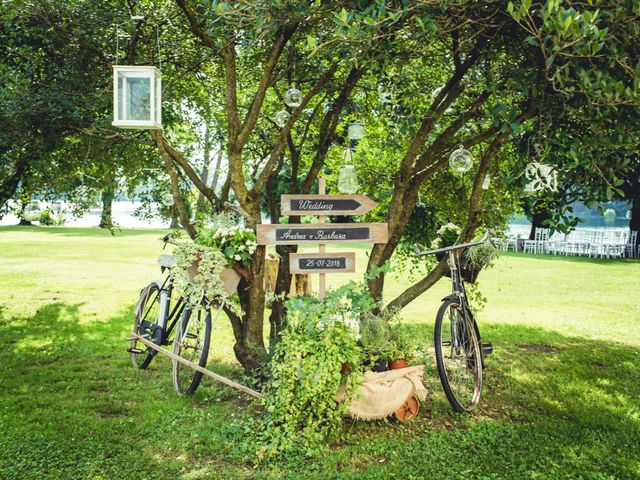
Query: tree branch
(277, 152)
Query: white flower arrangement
(447, 235)
(238, 244)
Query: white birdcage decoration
(137, 97)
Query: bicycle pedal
(137, 351)
(487, 348)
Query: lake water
(123, 216)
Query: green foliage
(305, 375)
(45, 218)
(197, 272)
(480, 256)
(238, 244)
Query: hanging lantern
(347, 180)
(31, 212)
(281, 118)
(355, 131)
(137, 97)
(486, 183)
(293, 97)
(541, 177)
(460, 160)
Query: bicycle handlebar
(416, 246)
(168, 239)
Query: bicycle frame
(164, 315)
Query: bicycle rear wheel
(458, 356)
(191, 342)
(145, 324)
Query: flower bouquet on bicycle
(458, 345)
(471, 259)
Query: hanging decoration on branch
(486, 183)
(137, 91)
(281, 118)
(293, 97)
(347, 179)
(355, 131)
(168, 200)
(541, 177)
(460, 160)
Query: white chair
(539, 243)
(630, 248)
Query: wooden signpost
(322, 262)
(322, 233)
(326, 205)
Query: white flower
(237, 257)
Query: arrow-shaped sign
(297, 233)
(326, 204)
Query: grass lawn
(561, 397)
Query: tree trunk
(175, 222)
(204, 173)
(106, 219)
(248, 331)
(9, 185)
(538, 216)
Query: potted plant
(375, 335)
(237, 244)
(401, 348)
(199, 269)
(475, 259)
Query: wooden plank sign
(322, 262)
(326, 204)
(301, 233)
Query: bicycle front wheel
(191, 342)
(458, 356)
(145, 324)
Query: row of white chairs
(602, 243)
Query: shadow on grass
(74, 407)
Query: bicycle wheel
(458, 356)
(145, 323)
(191, 342)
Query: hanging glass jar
(460, 160)
(347, 180)
(281, 118)
(355, 131)
(293, 97)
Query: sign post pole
(322, 186)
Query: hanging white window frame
(120, 115)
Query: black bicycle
(459, 348)
(158, 315)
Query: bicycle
(459, 349)
(157, 315)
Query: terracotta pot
(243, 272)
(399, 363)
